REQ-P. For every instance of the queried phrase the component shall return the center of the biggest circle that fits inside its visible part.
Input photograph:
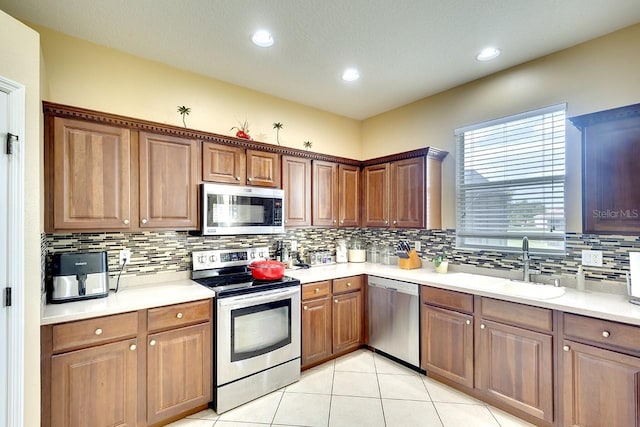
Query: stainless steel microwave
(232, 209)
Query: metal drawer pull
(335, 300)
(348, 284)
(152, 343)
(179, 315)
(249, 179)
(317, 290)
(606, 334)
(305, 307)
(482, 326)
(126, 222)
(132, 347)
(98, 331)
(144, 220)
(566, 348)
(237, 178)
(468, 322)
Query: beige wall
(88, 75)
(593, 76)
(20, 53)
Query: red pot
(267, 270)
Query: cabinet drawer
(84, 333)
(450, 299)
(517, 314)
(179, 315)
(602, 331)
(315, 290)
(347, 284)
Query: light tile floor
(360, 389)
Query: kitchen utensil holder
(410, 263)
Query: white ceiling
(405, 49)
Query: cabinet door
(96, 386)
(296, 183)
(325, 193)
(263, 169)
(347, 321)
(515, 366)
(407, 193)
(91, 172)
(600, 387)
(316, 330)
(349, 180)
(179, 375)
(223, 163)
(376, 195)
(168, 182)
(447, 344)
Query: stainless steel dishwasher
(394, 320)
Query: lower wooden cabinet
(601, 387)
(96, 386)
(94, 370)
(515, 366)
(447, 344)
(178, 371)
(332, 318)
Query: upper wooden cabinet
(235, 165)
(296, 183)
(88, 172)
(336, 194)
(610, 170)
(102, 177)
(169, 177)
(403, 193)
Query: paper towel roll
(634, 267)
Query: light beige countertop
(130, 298)
(595, 304)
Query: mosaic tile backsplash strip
(170, 251)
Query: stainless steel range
(257, 332)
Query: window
(510, 177)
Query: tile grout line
(435, 408)
(375, 368)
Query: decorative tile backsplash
(170, 251)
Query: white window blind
(510, 176)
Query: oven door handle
(259, 297)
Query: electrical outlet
(294, 245)
(591, 258)
(417, 245)
(125, 255)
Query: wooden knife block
(410, 263)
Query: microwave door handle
(258, 298)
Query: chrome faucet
(526, 270)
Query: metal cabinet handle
(566, 348)
(144, 220)
(179, 315)
(306, 307)
(152, 343)
(249, 179)
(395, 222)
(482, 326)
(386, 222)
(342, 221)
(468, 322)
(126, 222)
(334, 221)
(316, 290)
(335, 300)
(237, 178)
(132, 347)
(606, 334)
(286, 221)
(98, 331)
(348, 284)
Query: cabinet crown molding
(619, 113)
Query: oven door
(256, 332)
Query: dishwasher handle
(393, 285)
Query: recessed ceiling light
(488, 53)
(350, 75)
(262, 38)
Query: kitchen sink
(519, 288)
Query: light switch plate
(591, 258)
(294, 245)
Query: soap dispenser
(580, 279)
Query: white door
(4, 277)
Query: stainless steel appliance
(77, 276)
(233, 209)
(257, 332)
(394, 320)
